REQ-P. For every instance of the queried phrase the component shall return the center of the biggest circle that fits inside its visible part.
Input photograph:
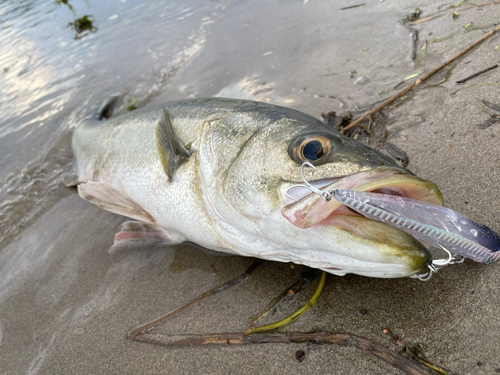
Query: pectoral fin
(170, 148)
(109, 199)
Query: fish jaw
(343, 247)
(374, 250)
(312, 209)
(389, 251)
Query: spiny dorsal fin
(170, 148)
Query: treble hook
(327, 196)
(437, 264)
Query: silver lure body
(432, 224)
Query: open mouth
(389, 245)
(310, 209)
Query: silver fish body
(216, 172)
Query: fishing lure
(435, 225)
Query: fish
(224, 174)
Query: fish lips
(389, 244)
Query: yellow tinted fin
(170, 148)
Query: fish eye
(312, 147)
(312, 150)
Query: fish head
(255, 192)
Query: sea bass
(219, 172)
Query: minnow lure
(435, 225)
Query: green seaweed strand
(297, 314)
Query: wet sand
(66, 302)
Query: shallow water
(51, 81)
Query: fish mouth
(390, 245)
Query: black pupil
(312, 150)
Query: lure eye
(312, 150)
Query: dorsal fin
(170, 148)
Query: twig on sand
(449, 5)
(478, 73)
(455, 11)
(414, 40)
(420, 80)
(493, 106)
(424, 19)
(300, 284)
(416, 354)
(478, 5)
(431, 366)
(491, 121)
(132, 335)
(353, 6)
(372, 348)
(255, 336)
